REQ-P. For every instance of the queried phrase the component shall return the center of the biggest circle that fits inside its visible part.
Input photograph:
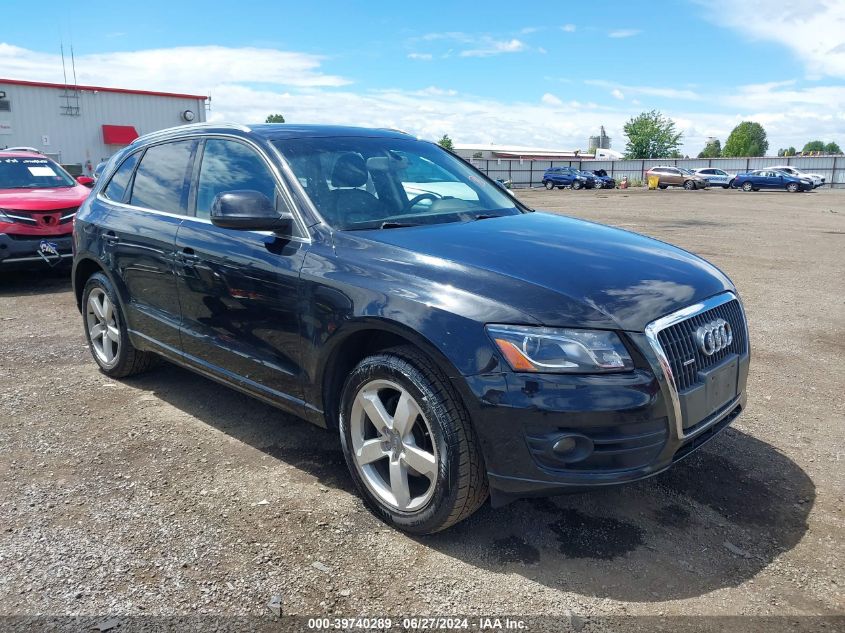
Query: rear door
(147, 200)
(239, 290)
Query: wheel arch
(82, 270)
(364, 338)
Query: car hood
(557, 270)
(45, 199)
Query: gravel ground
(167, 494)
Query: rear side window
(231, 166)
(116, 189)
(161, 179)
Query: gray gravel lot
(169, 494)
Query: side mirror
(247, 210)
(85, 180)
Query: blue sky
(533, 74)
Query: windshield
(366, 183)
(17, 172)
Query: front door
(239, 290)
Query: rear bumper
(24, 251)
(625, 423)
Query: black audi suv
(461, 344)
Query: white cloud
(248, 84)
(174, 68)
(652, 91)
(568, 28)
(619, 33)
(489, 47)
(420, 56)
(814, 31)
(617, 94)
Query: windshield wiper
(396, 225)
(486, 216)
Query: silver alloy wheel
(395, 454)
(102, 326)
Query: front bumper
(627, 426)
(24, 251)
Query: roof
(19, 153)
(272, 131)
(153, 93)
(518, 151)
(296, 130)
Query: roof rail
(20, 149)
(192, 126)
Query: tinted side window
(230, 166)
(116, 189)
(160, 182)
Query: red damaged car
(38, 202)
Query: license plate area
(715, 388)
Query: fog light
(572, 447)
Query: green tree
(832, 148)
(747, 139)
(651, 135)
(790, 151)
(814, 146)
(446, 142)
(275, 118)
(713, 149)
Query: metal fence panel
(529, 173)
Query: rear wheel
(747, 186)
(409, 444)
(662, 186)
(548, 184)
(106, 333)
(726, 186)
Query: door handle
(111, 238)
(187, 256)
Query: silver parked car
(715, 176)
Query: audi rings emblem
(714, 336)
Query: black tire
(662, 186)
(689, 185)
(747, 186)
(128, 360)
(792, 187)
(577, 184)
(726, 186)
(460, 486)
(548, 184)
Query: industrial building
(80, 126)
(602, 141)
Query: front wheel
(792, 187)
(576, 184)
(726, 186)
(747, 186)
(548, 184)
(106, 333)
(663, 186)
(409, 443)
(689, 185)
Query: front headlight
(580, 178)
(560, 351)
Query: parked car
(770, 179)
(561, 177)
(604, 181)
(38, 201)
(438, 336)
(817, 179)
(677, 177)
(715, 176)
